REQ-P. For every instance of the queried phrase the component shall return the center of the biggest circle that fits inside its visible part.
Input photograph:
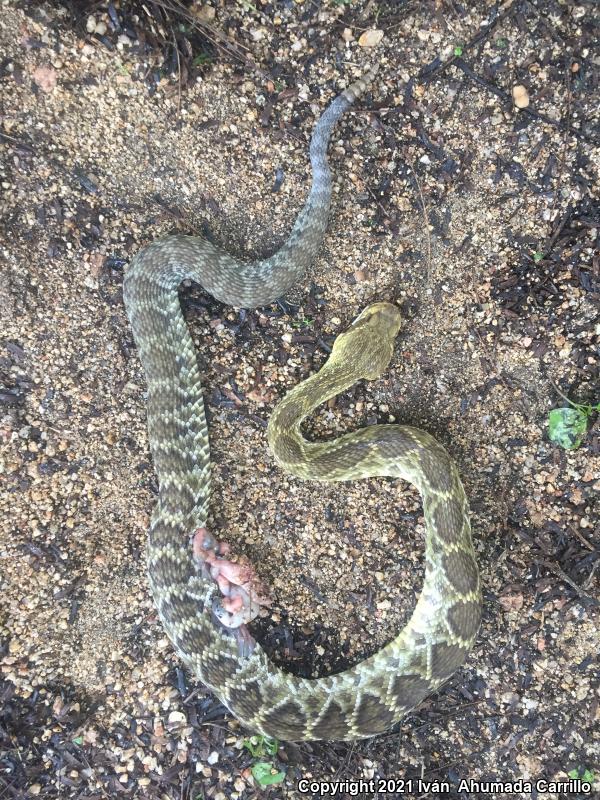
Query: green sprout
(582, 774)
(265, 774)
(458, 51)
(568, 426)
(302, 323)
(201, 59)
(261, 746)
(537, 256)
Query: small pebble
(370, 38)
(520, 96)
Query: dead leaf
(260, 396)
(511, 602)
(231, 396)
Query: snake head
(368, 344)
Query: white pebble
(520, 96)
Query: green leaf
(253, 744)
(302, 323)
(583, 774)
(567, 427)
(458, 51)
(261, 745)
(265, 774)
(201, 59)
(537, 256)
(78, 740)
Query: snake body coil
(370, 697)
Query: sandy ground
(478, 218)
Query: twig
(19, 142)
(452, 712)
(588, 582)
(563, 576)
(572, 403)
(215, 36)
(426, 218)
(10, 788)
(436, 67)
(582, 539)
(506, 10)
(377, 200)
(529, 112)
(561, 165)
(176, 46)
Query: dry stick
(530, 112)
(582, 539)
(377, 200)
(175, 45)
(563, 575)
(457, 61)
(561, 166)
(571, 403)
(19, 142)
(477, 39)
(10, 787)
(426, 218)
(588, 582)
(342, 769)
(215, 36)
(501, 378)
(452, 712)
(550, 30)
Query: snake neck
(303, 399)
(341, 459)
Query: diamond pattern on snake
(204, 599)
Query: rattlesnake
(187, 567)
